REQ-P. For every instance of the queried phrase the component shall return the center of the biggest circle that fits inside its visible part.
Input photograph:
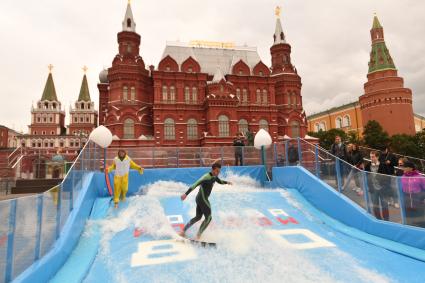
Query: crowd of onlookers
(383, 190)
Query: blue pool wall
(338, 206)
(94, 186)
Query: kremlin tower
(385, 98)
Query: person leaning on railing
(413, 185)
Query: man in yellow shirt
(122, 164)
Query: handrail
(398, 154)
(13, 152)
(10, 160)
(74, 162)
(17, 161)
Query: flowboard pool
(262, 235)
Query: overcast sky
(330, 43)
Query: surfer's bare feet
(198, 237)
(116, 205)
(182, 234)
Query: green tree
(405, 145)
(420, 143)
(353, 137)
(374, 135)
(327, 138)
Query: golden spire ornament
(85, 69)
(277, 11)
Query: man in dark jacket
(356, 159)
(238, 143)
(389, 160)
(379, 186)
(340, 150)
(292, 155)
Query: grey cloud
(330, 43)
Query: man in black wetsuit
(203, 206)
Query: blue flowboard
(261, 235)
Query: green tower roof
(380, 58)
(49, 92)
(376, 23)
(84, 90)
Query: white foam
(293, 202)
(244, 254)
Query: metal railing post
(286, 153)
(38, 229)
(275, 154)
(89, 148)
(221, 152)
(366, 191)
(58, 211)
(263, 155)
(82, 159)
(71, 192)
(401, 200)
(316, 159)
(10, 241)
(300, 154)
(338, 174)
(94, 157)
(104, 160)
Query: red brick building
(385, 98)
(199, 94)
(47, 132)
(47, 129)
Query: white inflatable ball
(101, 136)
(262, 138)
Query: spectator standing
(356, 159)
(340, 151)
(413, 185)
(400, 168)
(292, 155)
(389, 160)
(238, 143)
(379, 188)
